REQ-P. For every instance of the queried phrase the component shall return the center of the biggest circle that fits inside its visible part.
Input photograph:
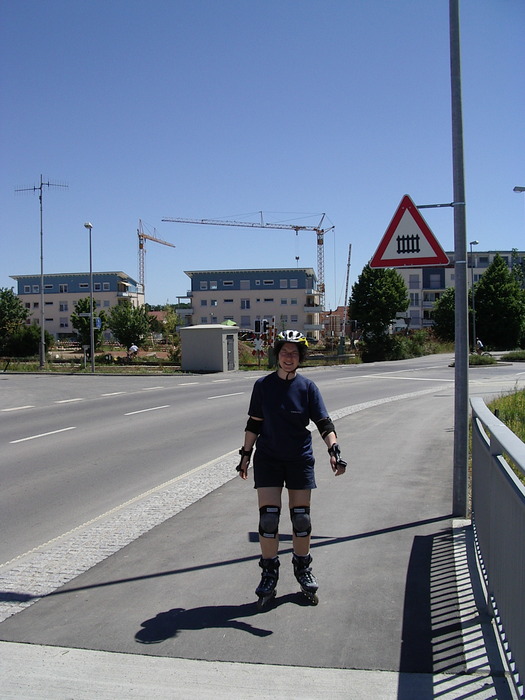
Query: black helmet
(291, 337)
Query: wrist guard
(334, 451)
(244, 453)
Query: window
(63, 306)
(244, 284)
(27, 288)
(293, 302)
(213, 302)
(283, 284)
(36, 289)
(268, 283)
(83, 285)
(245, 303)
(268, 299)
(413, 281)
(294, 284)
(204, 302)
(36, 305)
(228, 301)
(284, 301)
(105, 303)
(64, 322)
(414, 298)
(48, 286)
(213, 284)
(203, 286)
(62, 288)
(204, 319)
(294, 318)
(435, 281)
(284, 318)
(48, 303)
(105, 286)
(97, 287)
(227, 283)
(257, 283)
(245, 321)
(28, 304)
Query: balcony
(313, 327)
(312, 309)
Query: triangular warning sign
(408, 241)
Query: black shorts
(298, 475)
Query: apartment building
(246, 296)
(426, 284)
(62, 291)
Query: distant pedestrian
(133, 351)
(479, 346)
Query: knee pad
(269, 521)
(301, 523)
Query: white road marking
(16, 408)
(114, 393)
(151, 388)
(34, 437)
(69, 400)
(145, 410)
(224, 396)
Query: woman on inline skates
(282, 405)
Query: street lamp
(473, 297)
(89, 226)
(519, 189)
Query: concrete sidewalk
(173, 614)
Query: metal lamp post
(473, 296)
(89, 226)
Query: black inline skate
(269, 577)
(303, 573)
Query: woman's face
(289, 357)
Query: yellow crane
(142, 252)
(319, 231)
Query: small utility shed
(209, 348)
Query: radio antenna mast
(40, 189)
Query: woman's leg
(269, 496)
(297, 499)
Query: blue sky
(225, 108)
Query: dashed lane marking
(41, 435)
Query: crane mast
(319, 231)
(142, 252)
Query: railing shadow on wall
(498, 518)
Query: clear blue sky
(224, 108)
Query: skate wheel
(311, 597)
(265, 599)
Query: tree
(129, 324)
(82, 323)
(25, 341)
(500, 306)
(13, 315)
(444, 315)
(377, 297)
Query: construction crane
(142, 252)
(319, 231)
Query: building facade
(426, 284)
(245, 296)
(62, 291)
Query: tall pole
(89, 226)
(40, 188)
(460, 480)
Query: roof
(308, 270)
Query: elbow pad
(325, 426)
(253, 426)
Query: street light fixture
(473, 296)
(89, 226)
(519, 189)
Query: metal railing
(498, 517)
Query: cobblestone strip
(38, 573)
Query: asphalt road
(382, 546)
